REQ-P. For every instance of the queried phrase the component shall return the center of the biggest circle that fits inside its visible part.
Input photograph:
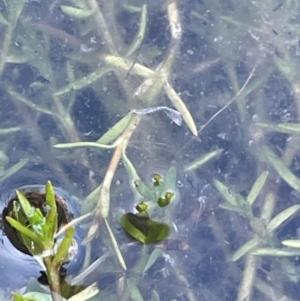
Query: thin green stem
(53, 276)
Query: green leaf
(115, 245)
(51, 218)
(86, 294)
(32, 215)
(37, 296)
(156, 253)
(77, 12)
(145, 191)
(113, 133)
(28, 233)
(286, 65)
(276, 252)
(138, 39)
(228, 195)
(203, 159)
(26, 206)
(155, 296)
(134, 291)
(19, 297)
(14, 10)
(3, 161)
(290, 127)
(131, 229)
(244, 205)
(83, 82)
(82, 144)
(3, 21)
(230, 207)
(13, 169)
(282, 170)
(171, 180)
(158, 232)
(10, 130)
(282, 217)
(63, 249)
(257, 187)
(89, 203)
(143, 229)
(293, 243)
(131, 171)
(245, 248)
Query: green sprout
(36, 229)
(139, 226)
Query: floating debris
(174, 115)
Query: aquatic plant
(32, 223)
(79, 80)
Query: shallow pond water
(74, 75)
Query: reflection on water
(70, 70)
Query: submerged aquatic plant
(140, 226)
(35, 221)
(234, 64)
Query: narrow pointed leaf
(244, 205)
(141, 32)
(9, 130)
(155, 296)
(51, 218)
(145, 191)
(282, 170)
(13, 169)
(134, 291)
(82, 144)
(230, 207)
(37, 296)
(131, 171)
(257, 187)
(181, 107)
(203, 159)
(25, 231)
(116, 246)
(290, 127)
(86, 294)
(156, 253)
(276, 252)
(171, 180)
(18, 297)
(76, 12)
(63, 249)
(267, 126)
(27, 208)
(280, 218)
(293, 243)
(114, 132)
(245, 248)
(82, 82)
(225, 192)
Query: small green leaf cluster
(263, 226)
(139, 226)
(36, 229)
(163, 188)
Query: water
(229, 67)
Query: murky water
(70, 70)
